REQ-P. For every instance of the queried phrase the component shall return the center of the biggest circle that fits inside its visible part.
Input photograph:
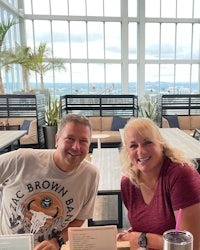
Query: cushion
(184, 122)
(31, 137)
(25, 125)
(118, 122)
(106, 123)
(195, 121)
(172, 120)
(165, 123)
(96, 122)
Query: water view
(115, 88)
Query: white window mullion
(199, 68)
(141, 48)
(191, 53)
(87, 54)
(104, 49)
(159, 65)
(175, 65)
(70, 54)
(124, 47)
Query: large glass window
(95, 40)
(171, 47)
(10, 73)
(117, 46)
(60, 39)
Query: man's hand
(48, 245)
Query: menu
(95, 238)
(17, 242)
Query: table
(121, 245)
(121, 131)
(177, 138)
(8, 137)
(99, 137)
(107, 161)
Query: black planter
(49, 136)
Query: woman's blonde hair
(150, 130)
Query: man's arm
(53, 243)
(74, 223)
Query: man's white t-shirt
(38, 197)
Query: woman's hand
(132, 237)
(123, 236)
(48, 245)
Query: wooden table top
(108, 163)
(100, 136)
(179, 139)
(121, 245)
(9, 136)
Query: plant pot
(49, 136)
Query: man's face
(72, 145)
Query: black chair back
(196, 134)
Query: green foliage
(5, 54)
(148, 109)
(42, 63)
(52, 111)
(4, 27)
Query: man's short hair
(75, 118)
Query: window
(116, 46)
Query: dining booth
(24, 112)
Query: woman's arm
(154, 241)
(190, 221)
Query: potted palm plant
(52, 116)
(148, 109)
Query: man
(46, 191)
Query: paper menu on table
(93, 238)
(17, 242)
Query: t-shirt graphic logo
(42, 209)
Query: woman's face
(144, 153)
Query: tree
(6, 56)
(25, 57)
(42, 64)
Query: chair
(196, 134)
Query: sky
(113, 33)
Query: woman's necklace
(151, 188)
(148, 191)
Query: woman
(158, 181)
